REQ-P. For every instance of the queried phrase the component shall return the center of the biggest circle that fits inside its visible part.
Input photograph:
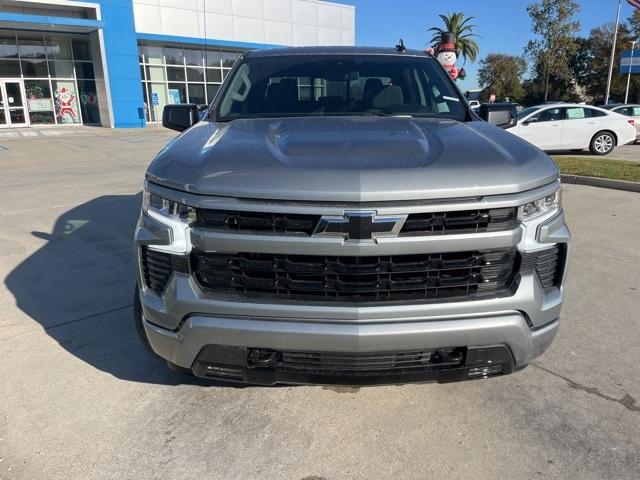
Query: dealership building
(116, 63)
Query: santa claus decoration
(447, 55)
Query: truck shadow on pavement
(79, 287)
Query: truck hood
(350, 159)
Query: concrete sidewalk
(81, 399)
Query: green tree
(591, 64)
(502, 74)
(634, 24)
(553, 23)
(463, 31)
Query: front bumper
(185, 321)
(200, 331)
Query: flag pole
(613, 54)
(626, 93)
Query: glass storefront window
(58, 47)
(214, 75)
(196, 93)
(161, 90)
(178, 74)
(31, 46)
(211, 91)
(175, 74)
(229, 58)
(39, 102)
(155, 74)
(61, 69)
(10, 68)
(66, 99)
(193, 56)
(153, 55)
(195, 74)
(89, 101)
(81, 49)
(8, 46)
(34, 68)
(213, 58)
(177, 93)
(174, 56)
(84, 70)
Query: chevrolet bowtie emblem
(360, 225)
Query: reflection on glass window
(174, 56)
(89, 101)
(8, 46)
(57, 47)
(31, 46)
(39, 102)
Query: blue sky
(503, 24)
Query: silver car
(341, 216)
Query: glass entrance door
(13, 111)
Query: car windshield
(526, 111)
(330, 85)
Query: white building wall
(274, 22)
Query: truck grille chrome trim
(416, 224)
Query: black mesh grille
(383, 278)
(546, 264)
(467, 221)
(157, 268)
(257, 221)
(358, 363)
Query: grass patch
(599, 167)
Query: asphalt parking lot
(81, 399)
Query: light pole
(626, 95)
(613, 54)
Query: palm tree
(457, 24)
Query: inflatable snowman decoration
(447, 55)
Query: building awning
(48, 23)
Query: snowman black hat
(448, 43)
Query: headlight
(168, 208)
(541, 206)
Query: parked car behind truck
(575, 127)
(341, 216)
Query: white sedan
(574, 127)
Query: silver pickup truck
(340, 216)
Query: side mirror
(180, 116)
(503, 115)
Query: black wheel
(602, 143)
(137, 318)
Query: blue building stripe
(201, 41)
(48, 20)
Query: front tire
(602, 143)
(137, 318)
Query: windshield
(526, 111)
(323, 85)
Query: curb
(601, 182)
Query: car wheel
(602, 143)
(137, 318)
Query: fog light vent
(486, 371)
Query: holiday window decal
(66, 105)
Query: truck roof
(278, 52)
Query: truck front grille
(358, 279)
(438, 223)
(157, 267)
